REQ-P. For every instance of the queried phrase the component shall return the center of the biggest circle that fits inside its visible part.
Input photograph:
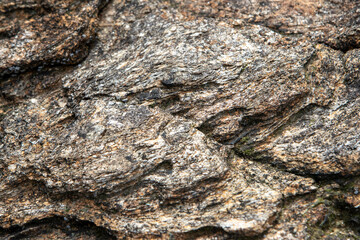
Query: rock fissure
(57, 227)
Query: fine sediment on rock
(181, 120)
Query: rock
(181, 120)
(349, 196)
(316, 216)
(131, 161)
(36, 34)
(333, 22)
(220, 81)
(322, 139)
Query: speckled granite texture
(169, 119)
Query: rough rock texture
(323, 139)
(332, 22)
(181, 120)
(38, 33)
(316, 216)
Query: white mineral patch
(12, 167)
(241, 226)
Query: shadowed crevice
(57, 227)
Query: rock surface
(39, 33)
(179, 119)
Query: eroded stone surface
(333, 22)
(323, 140)
(40, 33)
(173, 124)
(216, 76)
(132, 161)
(316, 216)
(126, 141)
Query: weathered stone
(132, 161)
(323, 138)
(315, 216)
(219, 77)
(333, 22)
(216, 76)
(40, 33)
(187, 120)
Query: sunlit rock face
(179, 119)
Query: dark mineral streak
(169, 119)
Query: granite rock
(39, 33)
(179, 119)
